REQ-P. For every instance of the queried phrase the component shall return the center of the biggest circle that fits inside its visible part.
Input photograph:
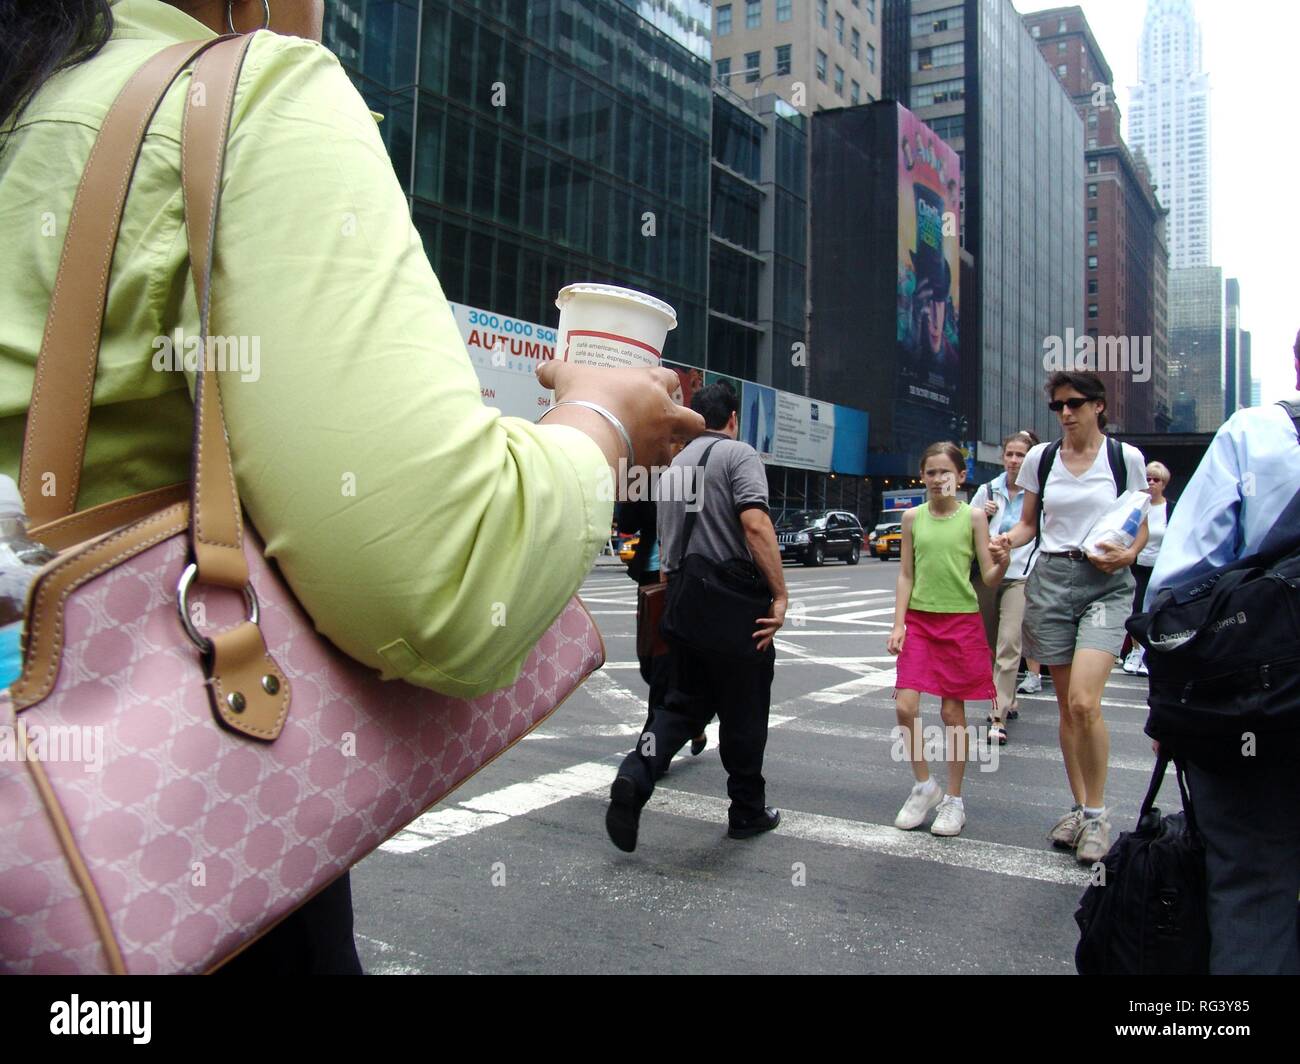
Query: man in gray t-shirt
(733, 523)
(734, 481)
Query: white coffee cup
(610, 327)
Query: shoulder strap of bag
(57, 421)
(1115, 455)
(1292, 407)
(1044, 471)
(216, 521)
(692, 515)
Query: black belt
(1073, 555)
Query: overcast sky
(1249, 50)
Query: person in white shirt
(1157, 519)
(1076, 603)
(1003, 607)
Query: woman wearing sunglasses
(1076, 604)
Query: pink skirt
(946, 654)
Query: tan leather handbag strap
(59, 416)
(216, 526)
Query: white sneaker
(1142, 668)
(1133, 661)
(924, 797)
(1093, 841)
(950, 818)
(1030, 685)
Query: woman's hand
(641, 398)
(895, 645)
(990, 509)
(1000, 548)
(1113, 559)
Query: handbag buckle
(183, 605)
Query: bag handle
(216, 521)
(54, 441)
(248, 692)
(1157, 777)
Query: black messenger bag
(1224, 655)
(713, 607)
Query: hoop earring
(230, 16)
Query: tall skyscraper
(1196, 337)
(1169, 120)
(814, 54)
(1234, 397)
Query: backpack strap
(1115, 455)
(1044, 471)
(692, 515)
(1292, 407)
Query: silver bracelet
(631, 459)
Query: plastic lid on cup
(609, 291)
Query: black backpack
(1147, 916)
(1224, 655)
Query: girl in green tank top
(938, 635)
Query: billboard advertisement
(785, 429)
(506, 352)
(929, 236)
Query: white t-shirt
(1157, 519)
(1075, 503)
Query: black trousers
(696, 689)
(314, 940)
(1141, 577)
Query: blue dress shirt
(1242, 485)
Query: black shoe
(697, 745)
(623, 814)
(765, 821)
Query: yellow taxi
(889, 544)
(628, 548)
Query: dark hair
(949, 450)
(716, 403)
(38, 38)
(1024, 436)
(1089, 385)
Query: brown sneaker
(1066, 831)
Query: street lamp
(754, 95)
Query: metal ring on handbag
(183, 605)
(230, 15)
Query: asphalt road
(514, 873)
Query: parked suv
(812, 536)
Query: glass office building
(757, 251)
(1196, 338)
(546, 143)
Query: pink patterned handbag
(239, 772)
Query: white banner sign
(506, 352)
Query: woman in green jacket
(353, 407)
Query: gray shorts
(1072, 605)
